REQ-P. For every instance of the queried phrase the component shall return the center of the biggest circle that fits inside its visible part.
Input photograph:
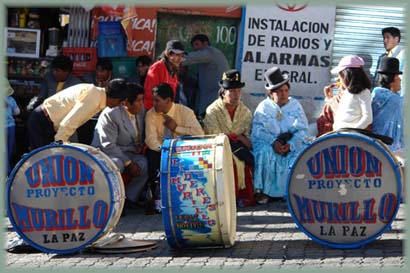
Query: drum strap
(385, 139)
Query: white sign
(298, 40)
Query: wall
(222, 32)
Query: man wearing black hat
(391, 40)
(164, 70)
(387, 105)
(59, 116)
(228, 115)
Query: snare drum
(62, 198)
(344, 190)
(198, 192)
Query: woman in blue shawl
(279, 133)
(387, 104)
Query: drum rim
(167, 213)
(380, 147)
(10, 214)
(227, 228)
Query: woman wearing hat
(279, 133)
(228, 115)
(12, 110)
(354, 107)
(387, 104)
(164, 70)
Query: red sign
(140, 25)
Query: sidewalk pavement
(267, 238)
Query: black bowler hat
(275, 78)
(389, 65)
(231, 79)
(175, 46)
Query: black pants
(154, 163)
(40, 129)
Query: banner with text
(298, 40)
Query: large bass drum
(62, 198)
(198, 192)
(344, 190)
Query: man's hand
(169, 123)
(134, 169)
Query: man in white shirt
(166, 119)
(59, 116)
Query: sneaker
(158, 205)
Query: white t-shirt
(354, 110)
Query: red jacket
(157, 73)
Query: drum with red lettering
(62, 198)
(198, 192)
(344, 190)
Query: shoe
(262, 199)
(158, 204)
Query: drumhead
(61, 198)
(344, 190)
(116, 182)
(197, 192)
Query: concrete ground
(267, 239)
